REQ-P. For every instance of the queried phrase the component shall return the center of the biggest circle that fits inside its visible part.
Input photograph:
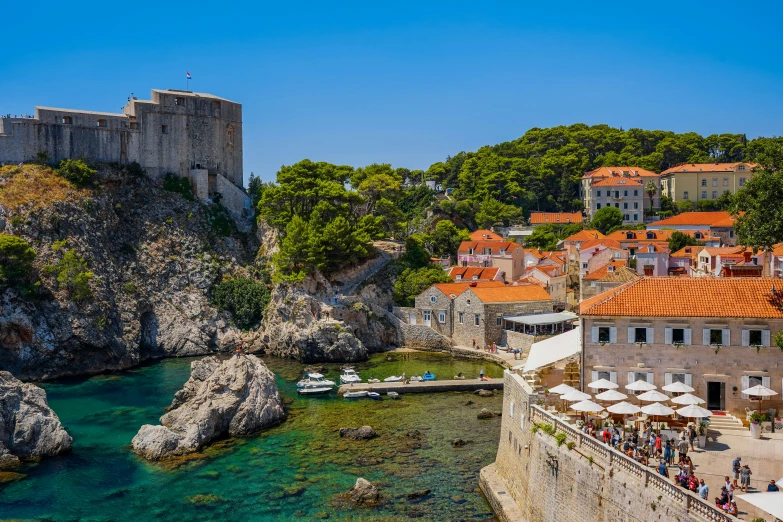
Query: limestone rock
(364, 492)
(419, 493)
(484, 393)
(28, 427)
(487, 414)
(363, 433)
(458, 442)
(234, 397)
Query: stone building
(704, 181)
(504, 255)
(714, 334)
(434, 307)
(719, 223)
(186, 133)
(607, 277)
(595, 197)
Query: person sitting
(733, 509)
(772, 486)
(723, 499)
(693, 483)
(663, 469)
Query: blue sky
(406, 83)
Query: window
(461, 317)
(635, 192)
(467, 301)
(597, 206)
(433, 299)
(164, 129)
(635, 205)
(442, 316)
(134, 125)
(731, 233)
(617, 193)
(714, 182)
(625, 205)
(584, 265)
(604, 334)
(625, 217)
(725, 182)
(216, 107)
(101, 123)
(502, 251)
(678, 336)
(704, 183)
(742, 182)
(697, 235)
(716, 336)
(179, 100)
(476, 320)
(603, 375)
(458, 277)
(616, 205)
(754, 338)
(640, 335)
(636, 217)
(230, 135)
(427, 315)
(741, 167)
(511, 410)
(650, 235)
(703, 194)
(470, 251)
(625, 193)
(499, 320)
(685, 195)
(598, 194)
(67, 120)
(714, 194)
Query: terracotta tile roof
(618, 182)
(621, 275)
(539, 218)
(728, 222)
(602, 272)
(708, 167)
(511, 294)
(657, 235)
(584, 235)
(484, 234)
(605, 242)
(531, 280)
(479, 246)
(457, 288)
(605, 172)
(719, 251)
(466, 273)
(777, 250)
(657, 248)
(690, 297)
(693, 218)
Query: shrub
(548, 429)
(219, 220)
(560, 438)
(42, 157)
(130, 287)
(245, 298)
(16, 260)
(181, 186)
(76, 171)
(570, 445)
(17, 221)
(73, 275)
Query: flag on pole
(188, 75)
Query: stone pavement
(765, 458)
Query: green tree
(684, 206)
(679, 240)
(759, 223)
(16, 260)
(651, 190)
(546, 236)
(414, 281)
(295, 258)
(244, 298)
(493, 211)
(73, 275)
(607, 220)
(445, 239)
(416, 255)
(76, 171)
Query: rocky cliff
(235, 397)
(28, 427)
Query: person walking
(663, 469)
(704, 490)
(691, 435)
(481, 374)
(736, 466)
(682, 448)
(745, 474)
(668, 453)
(658, 446)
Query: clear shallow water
(295, 471)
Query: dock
(424, 386)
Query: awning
(553, 349)
(771, 502)
(536, 319)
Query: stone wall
(551, 483)
(418, 336)
(519, 340)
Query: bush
(76, 171)
(16, 260)
(181, 186)
(73, 275)
(414, 281)
(245, 298)
(219, 220)
(130, 287)
(560, 438)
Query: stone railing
(693, 504)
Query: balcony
(474, 258)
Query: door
(427, 318)
(411, 318)
(715, 394)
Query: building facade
(507, 256)
(607, 176)
(704, 181)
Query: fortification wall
(552, 483)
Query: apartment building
(589, 192)
(504, 255)
(704, 181)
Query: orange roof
(690, 297)
(511, 294)
(688, 251)
(618, 182)
(607, 172)
(604, 270)
(722, 251)
(644, 248)
(606, 242)
(657, 235)
(457, 288)
(584, 235)
(693, 218)
(531, 280)
(708, 167)
(728, 222)
(484, 234)
(539, 218)
(496, 246)
(469, 272)
(777, 250)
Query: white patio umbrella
(611, 395)
(587, 406)
(653, 396)
(640, 385)
(561, 389)
(656, 409)
(694, 411)
(760, 392)
(678, 387)
(687, 398)
(603, 384)
(624, 409)
(575, 395)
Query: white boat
(373, 380)
(349, 376)
(393, 378)
(314, 390)
(393, 395)
(355, 394)
(314, 380)
(416, 378)
(374, 395)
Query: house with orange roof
(714, 261)
(683, 261)
(600, 188)
(609, 276)
(555, 218)
(434, 307)
(704, 181)
(720, 224)
(571, 246)
(596, 253)
(775, 261)
(630, 239)
(652, 259)
(470, 273)
(485, 235)
(507, 256)
(713, 334)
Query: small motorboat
(373, 380)
(355, 394)
(416, 378)
(314, 380)
(349, 376)
(315, 390)
(459, 377)
(393, 378)
(393, 395)
(429, 376)
(374, 395)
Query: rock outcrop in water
(234, 397)
(363, 433)
(364, 492)
(28, 427)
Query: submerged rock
(419, 493)
(486, 414)
(364, 492)
(235, 397)
(363, 433)
(28, 427)
(484, 393)
(458, 443)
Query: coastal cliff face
(235, 397)
(28, 427)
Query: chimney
(473, 285)
(748, 255)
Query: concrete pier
(424, 386)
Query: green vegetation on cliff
(245, 298)
(16, 261)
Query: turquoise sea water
(295, 471)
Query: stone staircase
(726, 423)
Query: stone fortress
(186, 133)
